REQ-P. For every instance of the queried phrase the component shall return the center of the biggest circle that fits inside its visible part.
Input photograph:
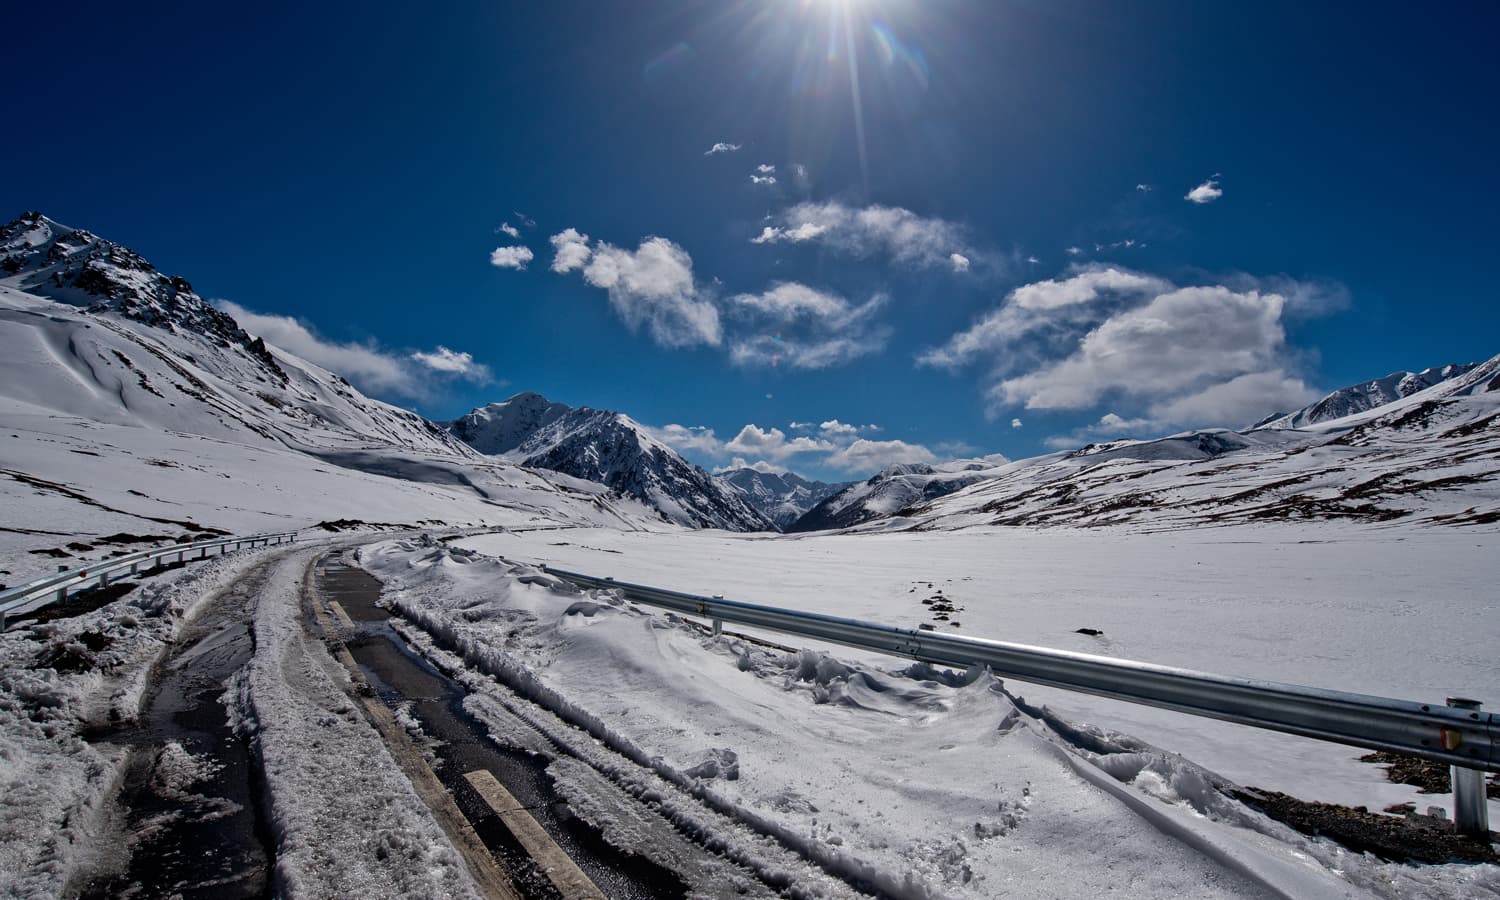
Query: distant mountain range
(1431, 456)
(612, 449)
(784, 497)
(89, 329)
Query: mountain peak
(610, 448)
(782, 497)
(43, 257)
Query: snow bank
(898, 781)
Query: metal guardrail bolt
(1471, 814)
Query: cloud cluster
(721, 147)
(414, 375)
(651, 287)
(789, 324)
(890, 231)
(1199, 355)
(804, 328)
(835, 445)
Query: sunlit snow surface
(925, 784)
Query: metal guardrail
(1459, 734)
(59, 584)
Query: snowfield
(1409, 613)
(924, 783)
(1358, 553)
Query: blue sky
(1262, 201)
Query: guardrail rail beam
(1463, 736)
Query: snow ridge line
(500, 666)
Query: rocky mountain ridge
(609, 448)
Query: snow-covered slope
(1366, 395)
(609, 448)
(1432, 457)
(782, 498)
(131, 346)
(887, 492)
(132, 409)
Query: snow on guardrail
(1459, 733)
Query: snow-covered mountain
(142, 348)
(609, 448)
(782, 498)
(887, 492)
(1431, 457)
(1363, 396)
(130, 407)
(498, 428)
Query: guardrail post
(1471, 814)
(718, 627)
(62, 592)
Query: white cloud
(812, 354)
(900, 234)
(789, 301)
(1083, 287)
(1015, 423)
(1145, 188)
(650, 287)
(815, 329)
(1239, 402)
(837, 447)
(1073, 251)
(765, 168)
(959, 261)
(766, 180)
(454, 362)
(1207, 192)
(509, 230)
(524, 219)
(1113, 423)
(805, 232)
(510, 257)
(865, 455)
(1176, 342)
(1201, 355)
(1063, 442)
(1033, 307)
(721, 147)
(570, 250)
(412, 375)
(688, 437)
(773, 444)
(1033, 260)
(760, 465)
